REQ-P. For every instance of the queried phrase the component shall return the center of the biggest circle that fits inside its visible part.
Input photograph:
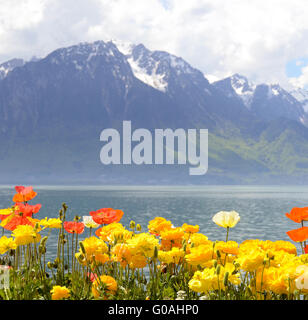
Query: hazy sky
(265, 40)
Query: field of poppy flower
(163, 262)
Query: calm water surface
(262, 208)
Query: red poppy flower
(24, 194)
(28, 210)
(306, 249)
(92, 276)
(298, 235)
(106, 215)
(298, 214)
(74, 227)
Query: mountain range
(53, 109)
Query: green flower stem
(227, 234)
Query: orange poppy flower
(306, 249)
(24, 194)
(298, 214)
(3, 216)
(15, 220)
(28, 210)
(298, 235)
(74, 227)
(106, 215)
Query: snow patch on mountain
(125, 48)
(7, 67)
(77, 53)
(4, 71)
(301, 95)
(147, 75)
(274, 90)
(152, 67)
(152, 79)
(180, 65)
(243, 88)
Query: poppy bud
(42, 249)
(215, 264)
(64, 206)
(218, 254)
(138, 227)
(218, 270)
(132, 225)
(82, 247)
(155, 252)
(226, 279)
(43, 241)
(56, 262)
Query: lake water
(262, 208)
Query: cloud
(256, 38)
(302, 80)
